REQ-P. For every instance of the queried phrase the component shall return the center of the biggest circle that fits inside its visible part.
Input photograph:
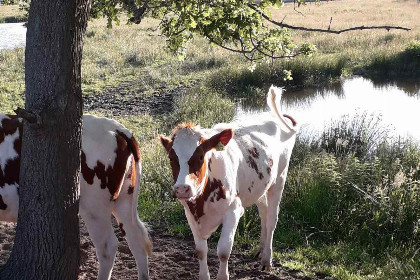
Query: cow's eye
(201, 158)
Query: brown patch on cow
(290, 118)
(251, 187)
(133, 176)
(174, 161)
(254, 152)
(200, 254)
(187, 125)
(254, 166)
(112, 176)
(213, 190)
(210, 164)
(270, 162)
(12, 167)
(197, 166)
(132, 144)
(3, 205)
(121, 229)
(223, 258)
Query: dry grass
(11, 13)
(352, 13)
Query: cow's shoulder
(9, 124)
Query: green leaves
(235, 25)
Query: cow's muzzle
(182, 192)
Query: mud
(125, 100)
(173, 258)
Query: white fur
(96, 208)
(273, 138)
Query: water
(396, 104)
(12, 35)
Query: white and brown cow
(109, 185)
(221, 170)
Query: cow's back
(265, 151)
(10, 144)
(104, 159)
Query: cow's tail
(273, 102)
(135, 151)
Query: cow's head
(188, 155)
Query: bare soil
(173, 258)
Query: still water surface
(397, 104)
(12, 35)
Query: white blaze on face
(184, 145)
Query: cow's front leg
(201, 250)
(224, 247)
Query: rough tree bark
(47, 235)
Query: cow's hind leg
(262, 211)
(274, 195)
(224, 247)
(102, 234)
(136, 236)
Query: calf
(219, 171)
(109, 185)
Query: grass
(326, 224)
(11, 14)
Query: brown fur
(111, 177)
(3, 206)
(212, 187)
(12, 167)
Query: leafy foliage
(237, 26)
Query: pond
(395, 106)
(12, 35)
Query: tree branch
(362, 27)
(29, 116)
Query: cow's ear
(221, 138)
(166, 142)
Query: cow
(109, 185)
(220, 171)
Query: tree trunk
(47, 235)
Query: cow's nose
(182, 191)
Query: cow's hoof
(266, 268)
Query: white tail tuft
(273, 102)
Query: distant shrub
(413, 48)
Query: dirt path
(126, 100)
(173, 258)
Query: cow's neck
(214, 191)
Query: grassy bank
(11, 14)
(350, 209)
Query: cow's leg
(274, 195)
(102, 234)
(135, 235)
(262, 211)
(224, 247)
(201, 250)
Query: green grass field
(325, 226)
